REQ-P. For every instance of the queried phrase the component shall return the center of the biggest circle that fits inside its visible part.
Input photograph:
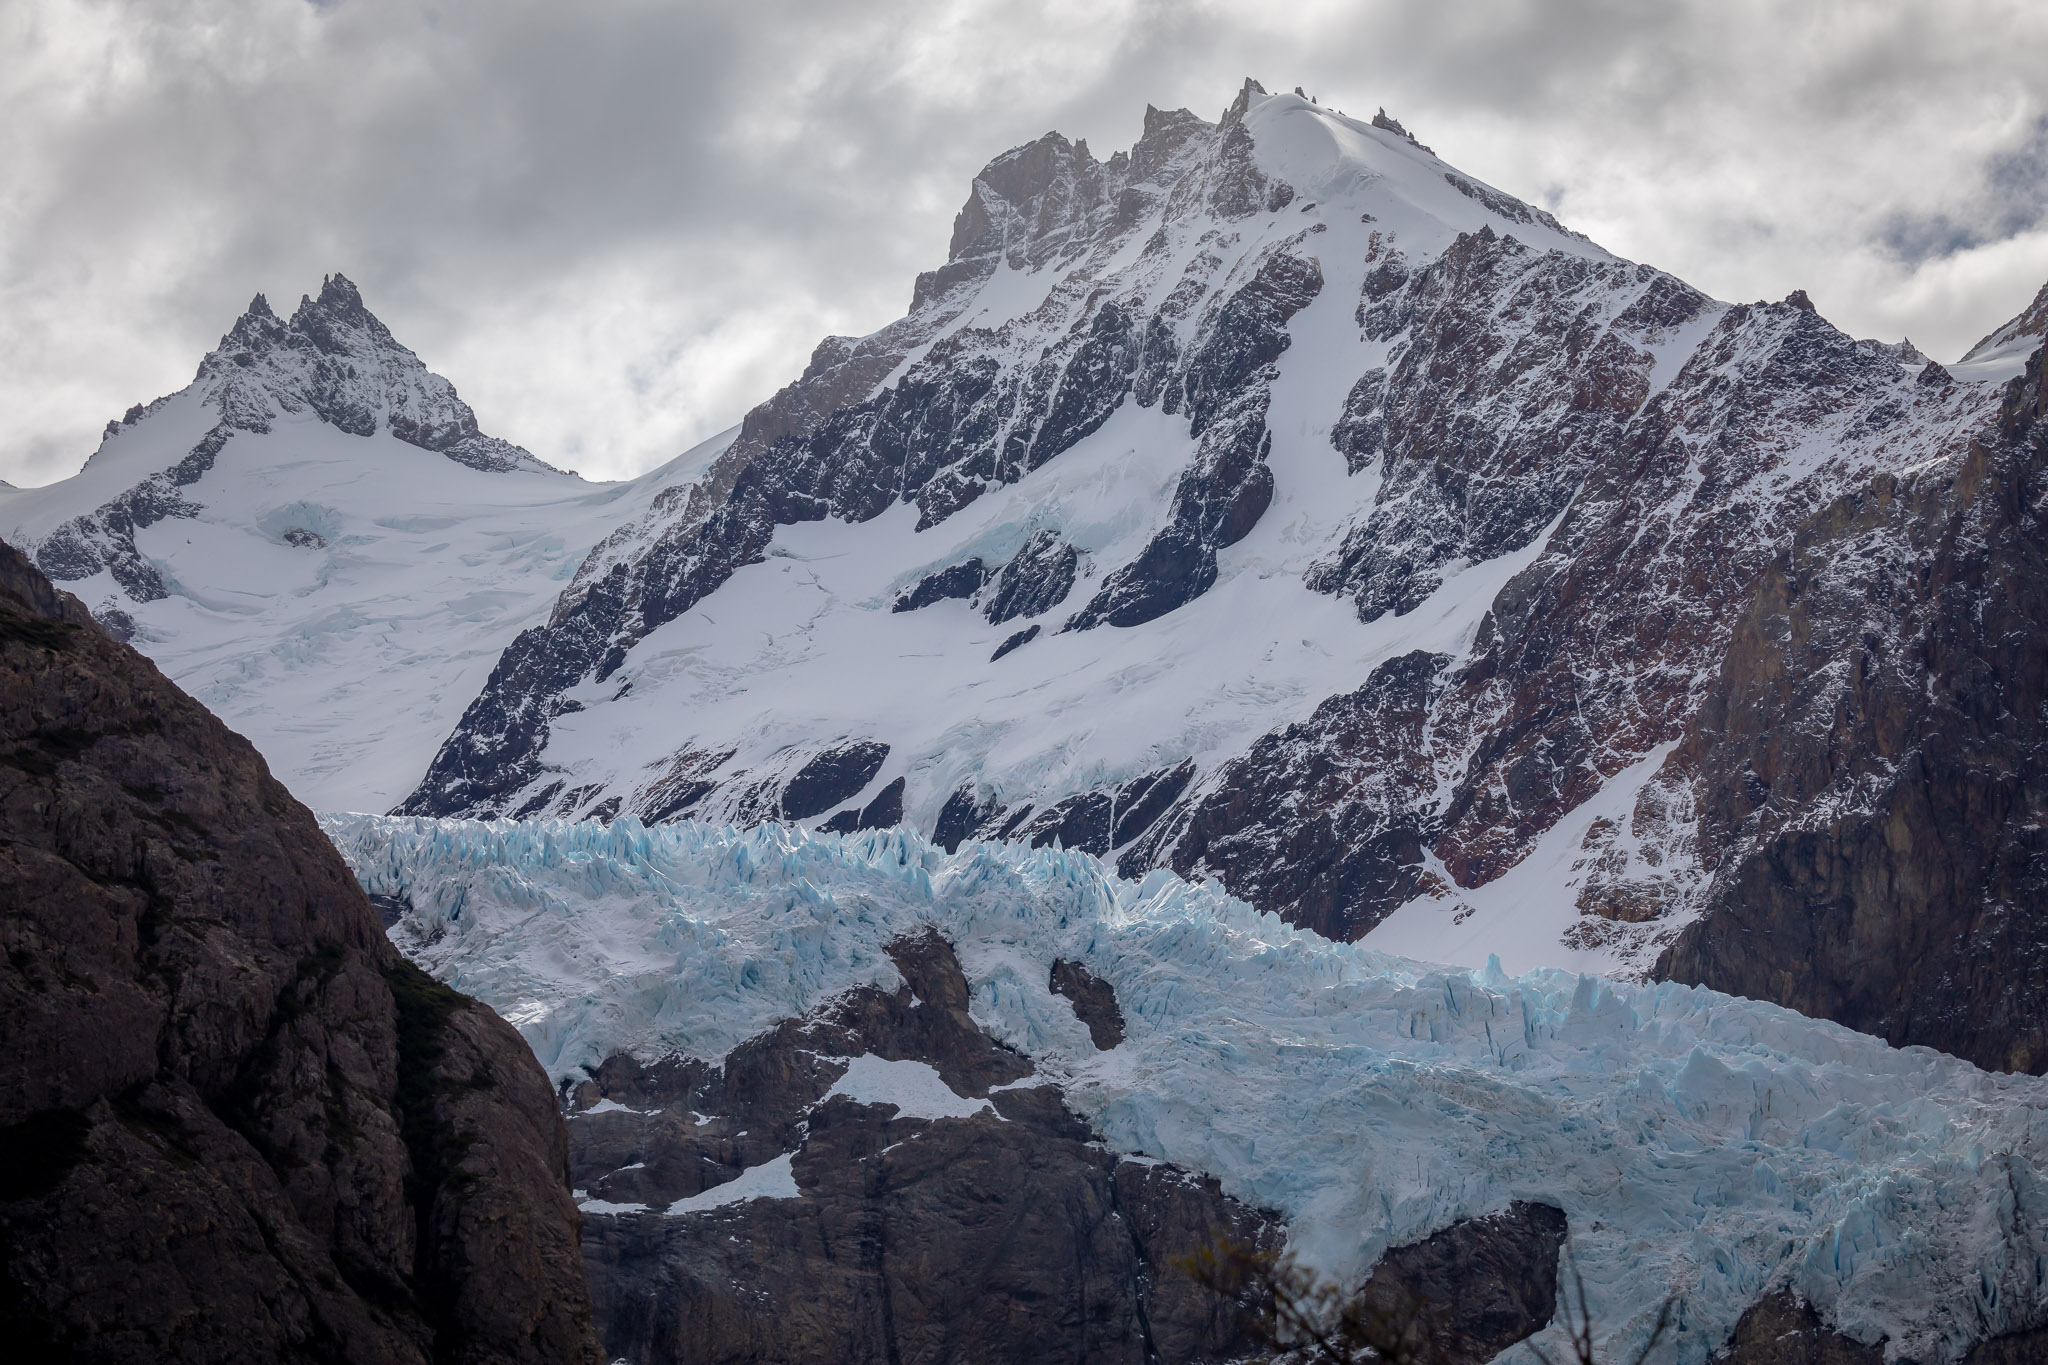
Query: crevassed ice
(1703, 1146)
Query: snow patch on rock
(915, 1088)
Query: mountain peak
(1387, 123)
(336, 359)
(338, 295)
(1243, 102)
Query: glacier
(1706, 1148)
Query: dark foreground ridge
(234, 1124)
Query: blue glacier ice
(1705, 1147)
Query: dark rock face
(1081, 822)
(1604, 646)
(1784, 1329)
(1320, 817)
(1173, 569)
(1094, 1002)
(1474, 1289)
(2016, 1348)
(963, 814)
(1097, 822)
(1225, 387)
(1143, 800)
(832, 776)
(979, 1239)
(885, 810)
(1037, 579)
(1005, 1236)
(1877, 777)
(958, 580)
(105, 539)
(1522, 367)
(235, 1124)
(1012, 643)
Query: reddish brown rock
(1871, 760)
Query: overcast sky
(616, 225)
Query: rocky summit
(1292, 712)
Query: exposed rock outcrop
(1783, 1329)
(1001, 1233)
(234, 1124)
(1094, 1002)
(1871, 758)
(1034, 581)
(1670, 501)
(1467, 1293)
(966, 410)
(831, 776)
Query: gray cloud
(2011, 199)
(616, 227)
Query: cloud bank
(617, 226)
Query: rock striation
(234, 1123)
(1870, 764)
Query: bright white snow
(915, 1088)
(803, 650)
(1704, 1146)
(770, 1180)
(345, 663)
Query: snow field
(346, 661)
(1704, 1147)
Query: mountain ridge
(1516, 405)
(315, 538)
(1268, 501)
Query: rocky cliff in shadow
(234, 1123)
(1874, 761)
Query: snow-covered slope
(2003, 354)
(1704, 1147)
(314, 539)
(1271, 501)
